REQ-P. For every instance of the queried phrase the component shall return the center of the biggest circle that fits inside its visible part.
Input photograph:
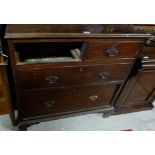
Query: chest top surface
(23, 31)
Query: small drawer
(69, 75)
(59, 101)
(113, 49)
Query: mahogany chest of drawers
(66, 70)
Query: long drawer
(69, 75)
(116, 49)
(58, 100)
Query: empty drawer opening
(49, 52)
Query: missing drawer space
(49, 52)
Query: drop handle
(51, 79)
(93, 97)
(112, 52)
(104, 75)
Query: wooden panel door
(139, 91)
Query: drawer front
(55, 101)
(113, 49)
(68, 76)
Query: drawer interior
(43, 52)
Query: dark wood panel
(71, 75)
(4, 92)
(55, 101)
(5, 102)
(143, 88)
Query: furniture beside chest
(139, 91)
(5, 99)
(67, 70)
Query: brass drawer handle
(93, 97)
(51, 79)
(112, 52)
(49, 103)
(104, 75)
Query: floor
(138, 121)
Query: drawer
(59, 100)
(113, 49)
(69, 75)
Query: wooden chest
(67, 70)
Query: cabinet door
(139, 91)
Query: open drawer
(48, 52)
